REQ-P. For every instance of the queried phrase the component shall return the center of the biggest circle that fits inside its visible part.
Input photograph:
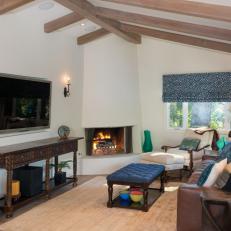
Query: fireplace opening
(108, 141)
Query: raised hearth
(108, 141)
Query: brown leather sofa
(189, 208)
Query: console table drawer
(66, 148)
(26, 157)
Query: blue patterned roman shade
(201, 87)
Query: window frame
(226, 128)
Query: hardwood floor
(81, 180)
(84, 208)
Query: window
(191, 115)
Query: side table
(222, 201)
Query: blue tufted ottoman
(137, 175)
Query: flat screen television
(24, 103)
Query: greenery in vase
(62, 164)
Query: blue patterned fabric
(205, 174)
(226, 152)
(201, 87)
(137, 173)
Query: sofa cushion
(190, 144)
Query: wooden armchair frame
(166, 147)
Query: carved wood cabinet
(14, 156)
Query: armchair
(193, 158)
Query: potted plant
(60, 176)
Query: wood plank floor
(84, 208)
(81, 180)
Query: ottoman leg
(110, 194)
(145, 208)
(181, 170)
(165, 176)
(162, 180)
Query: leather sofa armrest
(189, 210)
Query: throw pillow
(228, 168)
(190, 144)
(222, 180)
(221, 143)
(216, 171)
(227, 187)
(205, 174)
(226, 153)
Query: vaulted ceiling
(201, 23)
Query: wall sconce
(67, 87)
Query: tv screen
(24, 103)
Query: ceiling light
(46, 5)
(82, 24)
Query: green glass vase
(147, 146)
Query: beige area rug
(84, 209)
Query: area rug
(84, 208)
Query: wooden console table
(14, 156)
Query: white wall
(158, 57)
(110, 89)
(27, 50)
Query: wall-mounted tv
(24, 103)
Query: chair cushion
(137, 173)
(190, 144)
(185, 154)
(206, 138)
(163, 158)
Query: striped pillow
(205, 174)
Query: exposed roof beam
(92, 36)
(185, 7)
(178, 26)
(62, 22)
(88, 11)
(220, 46)
(6, 5)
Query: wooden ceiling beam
(185, 7)
(199, 42)
(161, 23)
(88, 11)
(178, 26)
(62, 22)
(8, 5)
(184, 39)
(92, 36)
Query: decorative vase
(147, 146)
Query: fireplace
(108, 141)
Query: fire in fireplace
(108, 141)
